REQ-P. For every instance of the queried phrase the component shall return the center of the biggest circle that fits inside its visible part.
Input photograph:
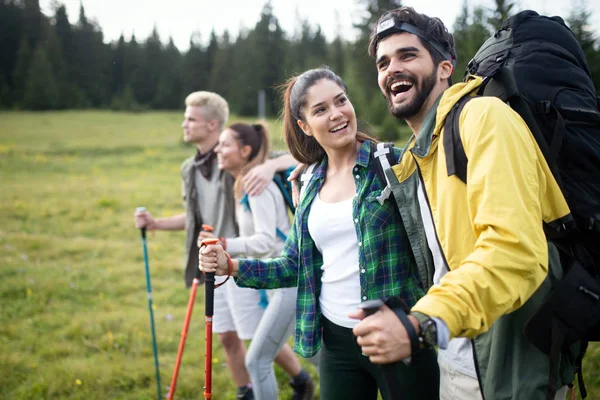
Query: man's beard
(422, 92)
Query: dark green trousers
(346, 374)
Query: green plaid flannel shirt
(385, 260)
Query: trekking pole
(388, 371)
(150, 307)
(186, 324)
(209, 287)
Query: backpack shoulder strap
(285, 188)
(385, 159)
(456, 158)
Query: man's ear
(305, 128)
(445, 70)
(213, 125)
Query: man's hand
(294, 175)
(212, 258)
(143, 219)
(382, 336)
(257, 179)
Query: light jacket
(491, 236)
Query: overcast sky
(179, 18)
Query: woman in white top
(345, 247)
(263, 223)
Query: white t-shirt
(459, 353)
(332, 229)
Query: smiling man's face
(406, 74)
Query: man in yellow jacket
(485, 237)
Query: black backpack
(535, 64)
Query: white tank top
(332, 229)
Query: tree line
(47, 63)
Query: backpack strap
(285, 188)
(456, 158)
(280, 234)
(306, 177)
(383, 153)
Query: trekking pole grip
(209, 286)
(143, 228)
(209, 283)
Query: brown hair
(257, 137)
(305, 148)
(433, 27)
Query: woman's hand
(212, 258)
(294, 179)
(204, 235)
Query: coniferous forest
(48, 63)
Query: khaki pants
(455, 385)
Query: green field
(73, 310)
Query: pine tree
(211, 55)
(32, 22)
(503, 10)
(11, 32)
(194, 69)
(363, 77)
(263, 65)
(579, 22)
(119, 51)
(91, 59)
(168, 91)
(20, 73)
(222, 71)
(470, 32)
(149, 69)
(41, 89)
(337, 50)
(5, 93)
(134, 78)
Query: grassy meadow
(73, 305)
(73, 311)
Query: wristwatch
(427, 330)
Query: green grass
(73, 306)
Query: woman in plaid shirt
(343, 248)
